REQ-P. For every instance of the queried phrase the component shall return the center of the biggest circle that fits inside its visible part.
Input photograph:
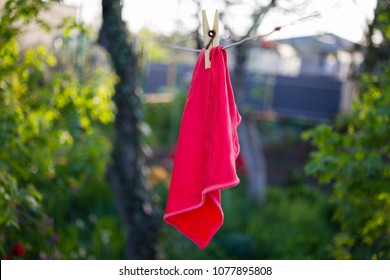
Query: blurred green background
(328, 195)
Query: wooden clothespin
(210, 36)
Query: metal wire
(254, 38)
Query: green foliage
(21, 209)
(353, 155)
(92, 230)
(294, 223)
(54, 123)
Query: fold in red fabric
(207, 148)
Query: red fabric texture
(207, 148)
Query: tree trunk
(136, 204)
(377, 54)
(251, 147)
(252, 151)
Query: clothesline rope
(314, 14)
(254, 38)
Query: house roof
(319, 43)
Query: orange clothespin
(210, 36)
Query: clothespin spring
(211, 34)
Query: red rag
(206, 152)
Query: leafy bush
(294, 223)
(22, 124)
(54, 124)
(354, 155)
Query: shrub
(353, 155)
(294, 223)
(54, 144)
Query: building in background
(304, 77)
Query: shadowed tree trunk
(250, 142)
(251, 146)
(377, 53)
(134, 199)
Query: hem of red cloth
(222, 186)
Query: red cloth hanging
(207, 148)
